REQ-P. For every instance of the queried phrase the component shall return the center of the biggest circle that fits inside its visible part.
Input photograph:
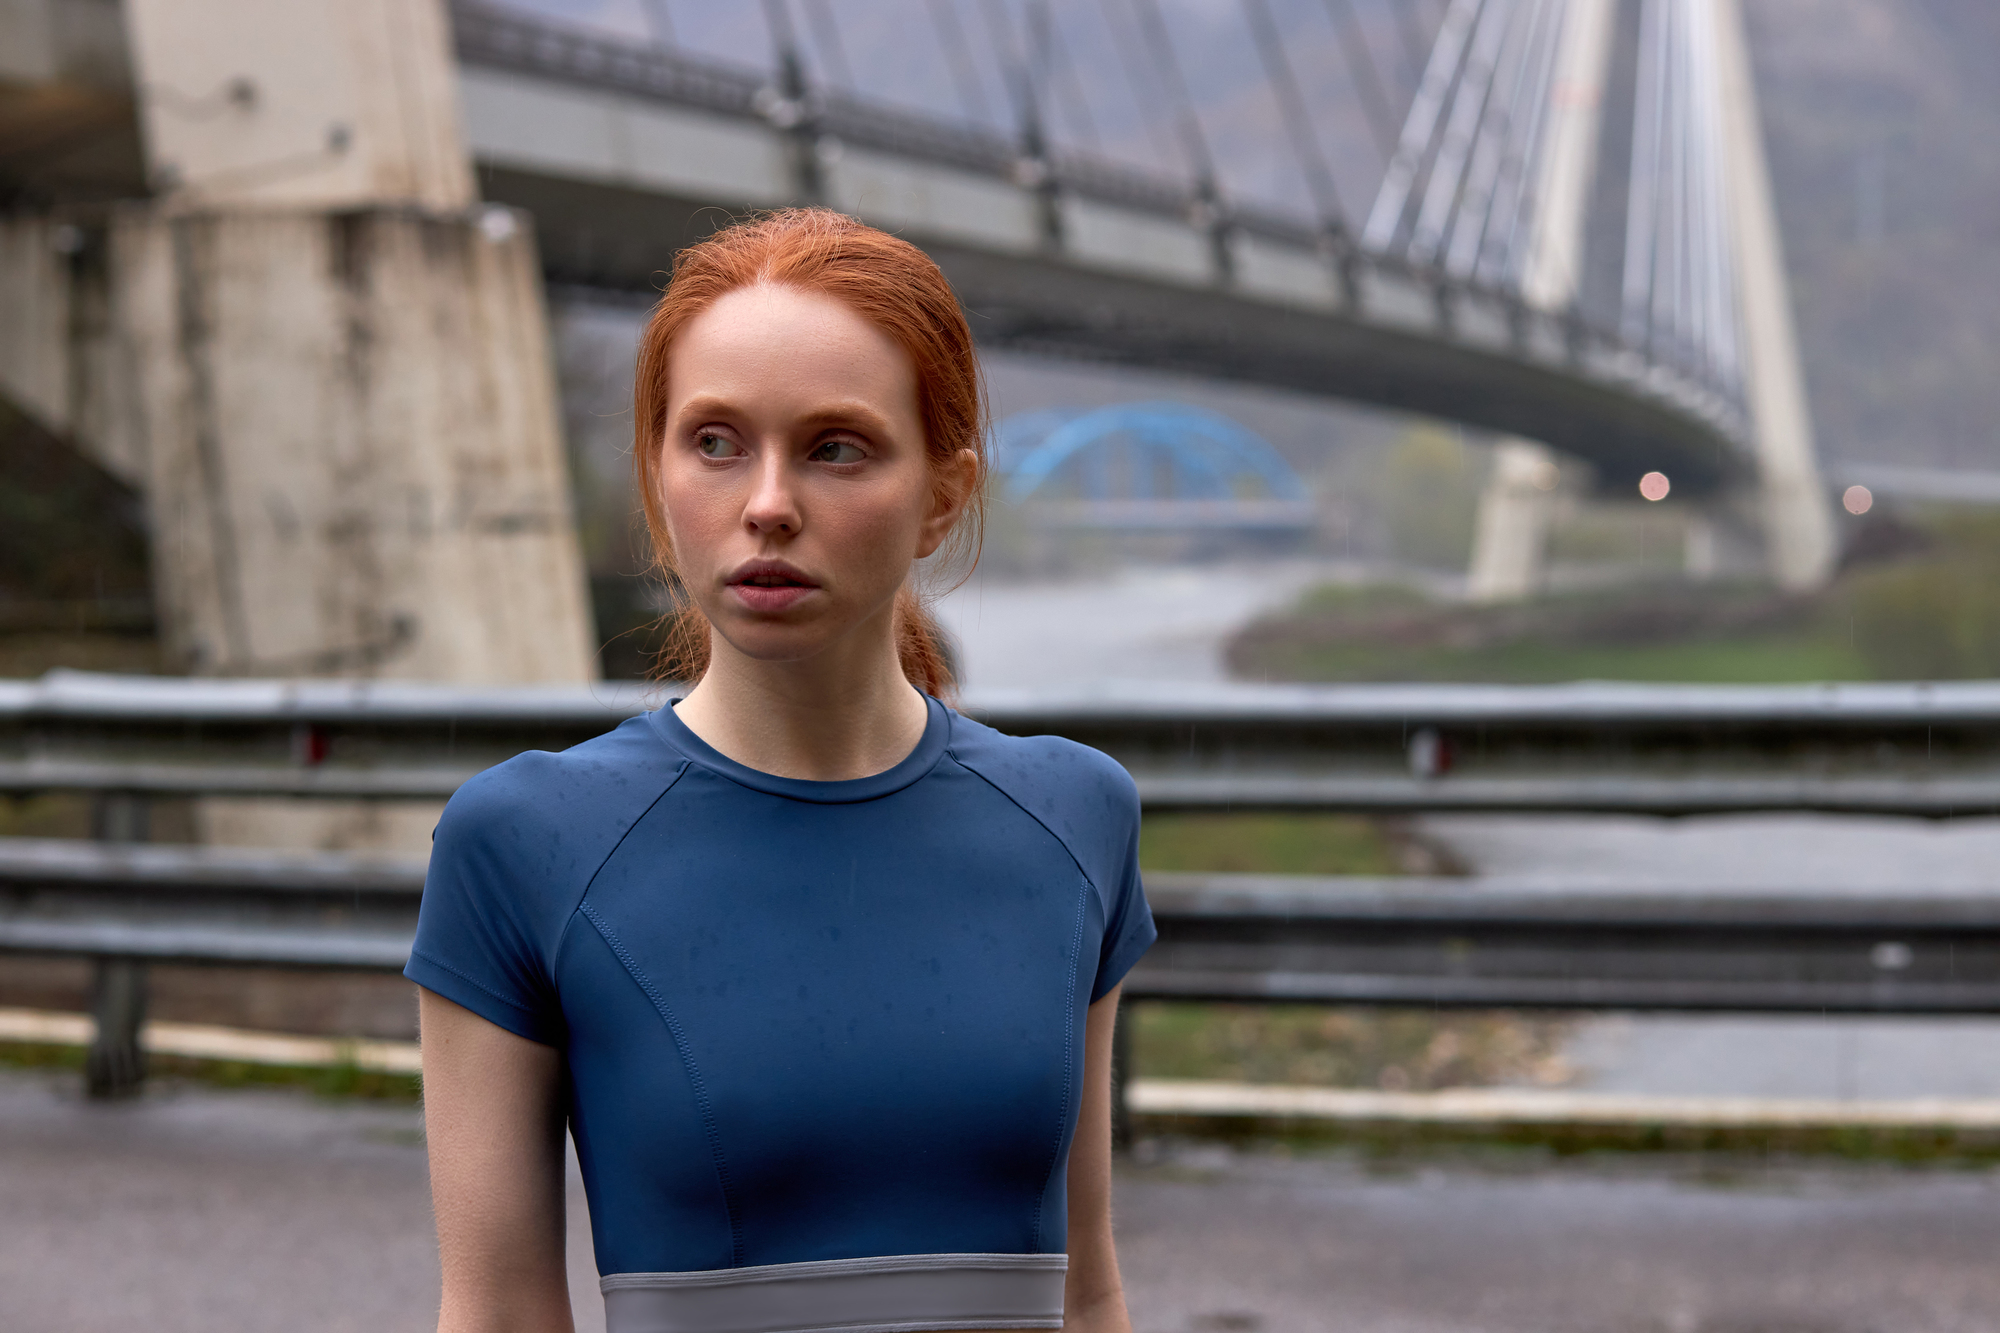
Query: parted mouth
(770, 574)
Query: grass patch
(45, 815)
(1534, 1147)
(1756, 660)
(1310, 1045)
(322, 1081)
(1267, 844)
(1920, 603)
(1656, 631)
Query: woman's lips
(771, 597)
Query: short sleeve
(486, 927)
(1128, 924)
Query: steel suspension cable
(1060, 71)
(1495, 141)
(958, 55)
(826, 36)
(1145, 98)
(1361, 68)
(1385, 218)
(1292, 109)
(1641, 261)
(1668, 287)
(1504, 250)
(1723, 335)
(1468, 108)
(1020, 91)
(1194, 142)
(1410, 34)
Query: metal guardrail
(1886, 749)
(207, 904)
(1569, 944)
(1924, 750)
(1536, 943)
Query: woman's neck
(817, 720)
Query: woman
(820, 974)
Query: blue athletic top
(823, 1040)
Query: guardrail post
(116, 1063)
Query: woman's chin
(775, 642)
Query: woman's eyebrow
(706, 405)
(850, 413)
(847, 414)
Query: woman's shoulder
(606, 781)
(1084, 797)
(1054, 764)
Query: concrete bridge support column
(1799, 535)
(1510, 535)
(353, 458)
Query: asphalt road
(197, 1209)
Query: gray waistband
(894, 1294)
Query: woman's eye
(838, 451)
(715, 446)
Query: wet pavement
(1630, 1245)
(201, 1209)
(198, 1210)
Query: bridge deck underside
(623, 238)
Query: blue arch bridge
(1156, 466)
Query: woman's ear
(957, 483)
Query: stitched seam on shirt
(1008, 797)
(1069, 1052)
(605, 860)
(702, 1103)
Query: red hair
(891, 284)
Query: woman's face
(793, 474)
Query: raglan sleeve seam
(583, 889)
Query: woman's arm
(1094, 1297)
(493, 1120)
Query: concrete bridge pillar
(1511, 533)
(1510, 543)
(341, 369)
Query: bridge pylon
(1795, 507)
(1704, 284)
(1510, 541)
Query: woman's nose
(773, 505)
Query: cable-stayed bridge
(1456, 294)
(267, 263)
